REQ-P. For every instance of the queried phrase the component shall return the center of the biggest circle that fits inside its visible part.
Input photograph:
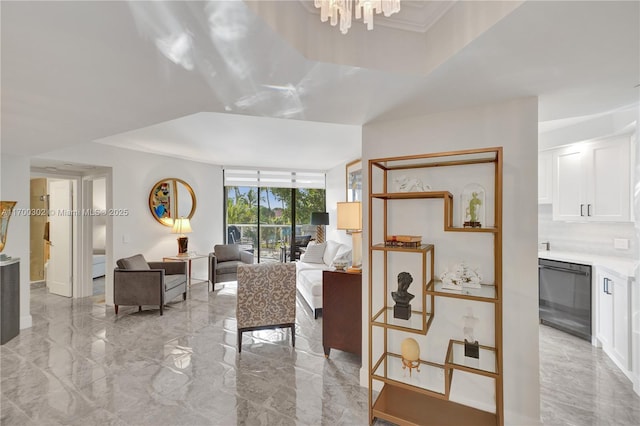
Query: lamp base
(182, 244)
(319, 234)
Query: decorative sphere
(410, 350)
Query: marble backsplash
(593, 238)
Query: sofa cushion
(311, 279)
(134, 262)
(230, 267)
(227, 252)
(173, 281)
(330, 251)
(314, 253)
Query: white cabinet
(612, 316)
(591, 181)
(545, 177)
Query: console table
(187, 258)
(342, 312)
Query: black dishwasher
(565, 296)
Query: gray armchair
(138, 282)
(224, 261)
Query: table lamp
(350, 219)
(182, 226)
(319, 219)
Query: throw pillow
(134, 262)
(314, 253)
(331, 251)
(342, 258)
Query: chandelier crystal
(331, 9)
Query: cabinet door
(621, 337)
(604, 323)
(568, 184)
(545, 177)
(607, 169)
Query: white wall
(513, 125)
(14, 186)
(133, 175)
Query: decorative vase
(6, 207)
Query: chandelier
(363, 8)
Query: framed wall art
(354, 181)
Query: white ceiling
(213, 81)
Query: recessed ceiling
(74, 72)
(238, 140)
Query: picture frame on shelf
(354, 181)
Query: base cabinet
(612, 325)
(9, 299)
(341, 312)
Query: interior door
(59, 269)
(37, 222)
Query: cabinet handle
(605, 286)
(581, 209)
(588, 209)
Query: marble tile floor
(581, 386)
(82, 364)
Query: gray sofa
(224, 261)
(138, 282)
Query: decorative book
(409, 241)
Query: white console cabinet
(591, 181)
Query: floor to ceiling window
(269, 212)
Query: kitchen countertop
(620, 265)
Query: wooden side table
(342, 312)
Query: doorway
(52, 229)
(78, 213)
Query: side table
(188, 258)
(342, 312)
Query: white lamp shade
(350, 215)
(181, 226)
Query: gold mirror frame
(164, 201)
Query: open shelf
(422, 248)
(471, 156)
(405, 407)
(417, 323)
(486, 293)
(423, 397)
(412, 195)
(488, 229)
(485, 365)
(429, 380)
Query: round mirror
(171, 198)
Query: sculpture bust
(402, 297)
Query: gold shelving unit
(423, 398)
